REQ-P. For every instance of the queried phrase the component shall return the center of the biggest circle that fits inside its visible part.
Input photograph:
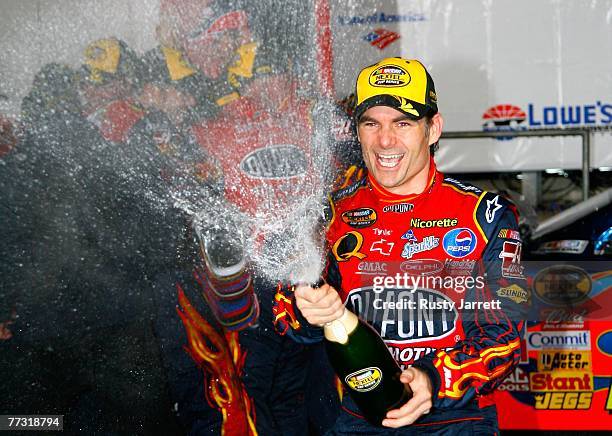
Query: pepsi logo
(459, 242)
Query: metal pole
(586, 163)
(583, 133)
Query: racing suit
(438, 275)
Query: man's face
(396, 148)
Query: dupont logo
(559, 340)
(381, 38)
(275, 162)
(503, 118)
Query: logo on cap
(389, 76)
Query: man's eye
(403, 124)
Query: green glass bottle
(365, 366)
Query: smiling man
(404, 217)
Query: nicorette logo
(459, 242)
(365, 379)
(508, 117)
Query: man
(431, 263)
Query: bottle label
(365, 379)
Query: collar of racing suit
(434, 177)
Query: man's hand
(419, 404)
(319, 305)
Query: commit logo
(561, 340)
(459, 242)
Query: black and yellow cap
(399, 83)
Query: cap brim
(413, 110)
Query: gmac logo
(459, 242)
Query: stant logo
(365, 379)
(359, 218)
(459, 242)
(399, 207)
(564, 381)
(401, 316)
(275, 162)
(421, 267)
(389, 76)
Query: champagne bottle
(365, 366)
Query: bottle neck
(340, 329)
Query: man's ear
(435, 128)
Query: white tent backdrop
(527, 63)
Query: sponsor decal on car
(561, 285)
(559, 340)
(564, 360)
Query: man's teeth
(389, 160)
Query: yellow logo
(389, 76)
(515, 293)
(364, 380)
(348, 246)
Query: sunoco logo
(398, 320)
(365, 379)
(275, 162)
(359, 218)
(389, 76)
(399, 208)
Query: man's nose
(387, 137)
